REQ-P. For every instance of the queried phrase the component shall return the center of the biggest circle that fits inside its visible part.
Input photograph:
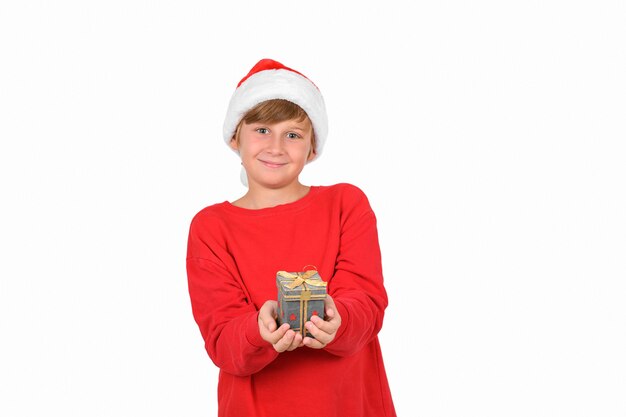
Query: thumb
(329, 303)
(271, 326)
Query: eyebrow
(295, 128)
(289, 127)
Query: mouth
(270, 164)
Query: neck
(260, 197)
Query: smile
(272, 164)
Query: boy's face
(274, 154)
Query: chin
(275, 184)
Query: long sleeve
(232, 259)
(226, 317)
(357, 284)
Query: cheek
(303, 153)
(247, 146)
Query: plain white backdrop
(488, 135)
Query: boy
(276, 121)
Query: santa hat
(269, 80)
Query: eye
(292, 135)
(263, 130)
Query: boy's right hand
(281, 338)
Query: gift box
(300, 296)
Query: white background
(488, 135)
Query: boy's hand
(323, 330)
(282, 338)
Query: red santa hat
(269, 80)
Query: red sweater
(232, 260)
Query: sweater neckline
(281, 208)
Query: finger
(269, 324)
(267, 314)
(268, 310)
(297, 342)
(326, 326)
(319, 335)
(285, 342)
(329, 303)
(312, 343)
(276, 336)
(331, 309)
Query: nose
(274, 144)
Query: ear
(312, 154)
(233, 144)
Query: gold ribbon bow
(302, 278)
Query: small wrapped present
(300, 296)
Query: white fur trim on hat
(283, 84)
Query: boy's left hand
(324, 331)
